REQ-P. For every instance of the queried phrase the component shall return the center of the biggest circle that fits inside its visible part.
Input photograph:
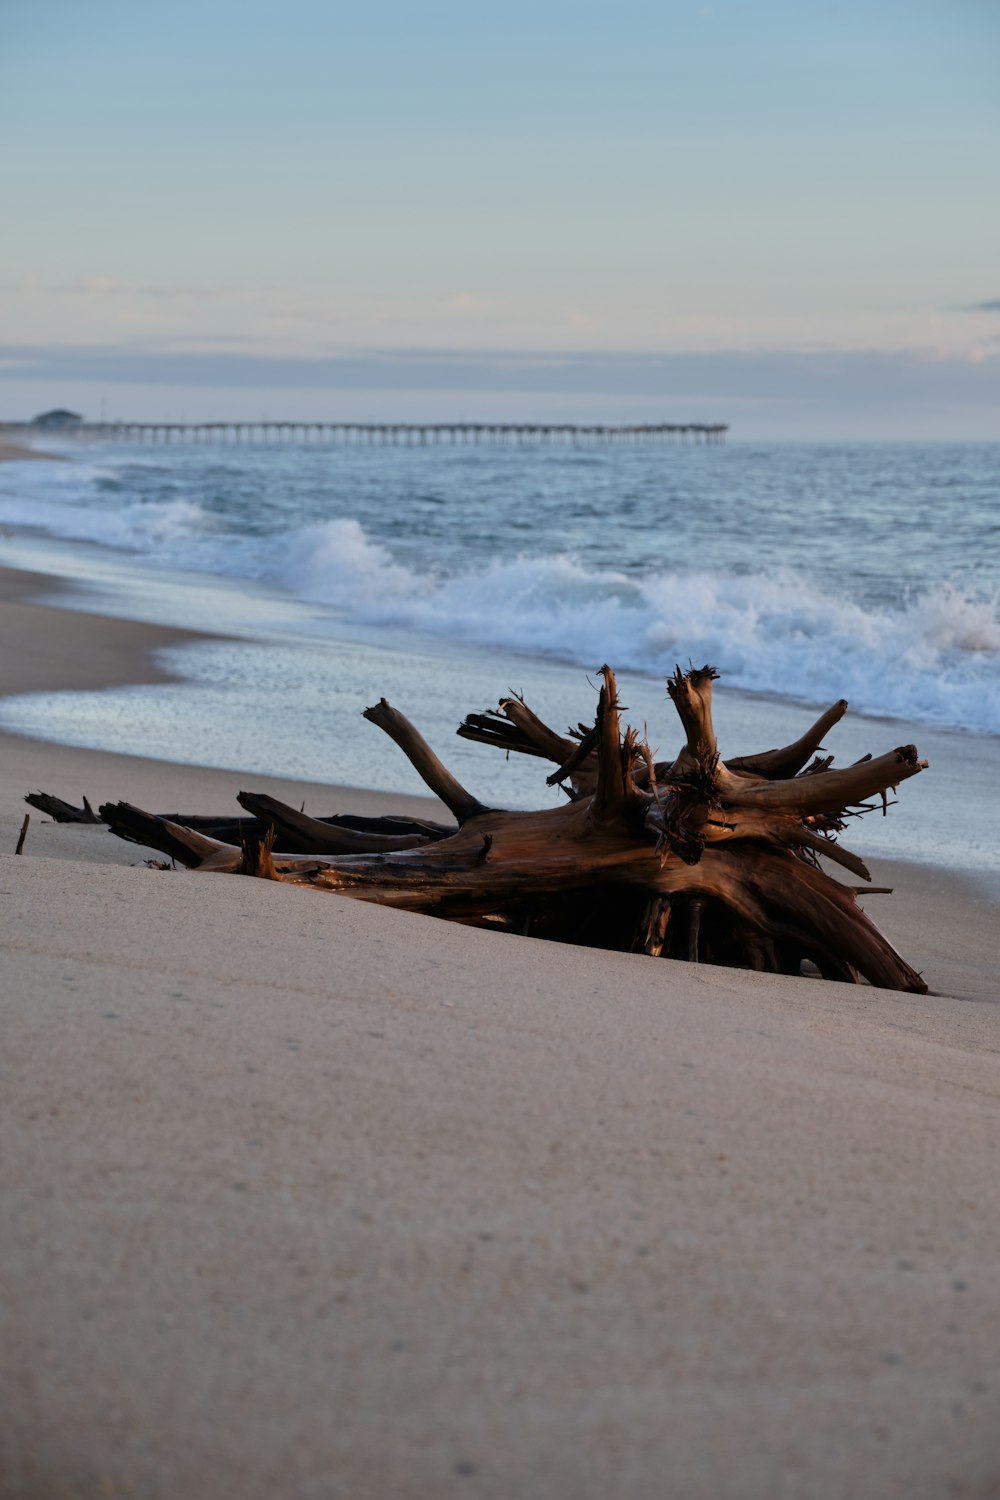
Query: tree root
(700, 858)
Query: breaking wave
(934, 657)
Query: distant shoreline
(18, 452)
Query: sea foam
(930, 653)
(935, 657)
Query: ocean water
(443, 577)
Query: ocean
(442, 578)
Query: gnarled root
(699, 858)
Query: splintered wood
(698, 858)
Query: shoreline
(22, 452)
(62, 648)
(528, 1218)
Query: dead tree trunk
(698, 858)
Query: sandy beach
(306, 1198)
(12, 450)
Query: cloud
(867, 378)
(992, 305)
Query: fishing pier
(404, 434)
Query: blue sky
(783, 215)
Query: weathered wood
(460, 803)
(537, 735)
(709, 860)
(790, 760)
(301, 834)
(237, 831)
(60, 811)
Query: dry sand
(306, 1198)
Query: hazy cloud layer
(869, 376)
(990, 306)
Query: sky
(781, 214)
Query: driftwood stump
(699, 858)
